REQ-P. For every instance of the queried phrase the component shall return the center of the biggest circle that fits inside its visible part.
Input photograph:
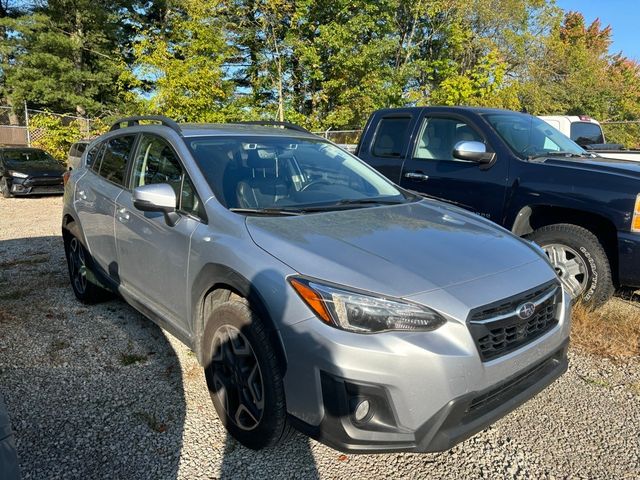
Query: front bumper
(458, 420)
(428, 390)
(36, 186)
(629, 259)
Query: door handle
(123, 215)
(421, 177)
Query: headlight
(635, 220)
(361, 312)
(15, 174)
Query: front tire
(4, 188)
(243, 377)
(579, 260)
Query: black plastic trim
(270, 123)
(133, 121)
(453, 423)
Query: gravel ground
(102, 392)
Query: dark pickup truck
(523, 174)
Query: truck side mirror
(472, 151)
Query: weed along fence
(50, 131)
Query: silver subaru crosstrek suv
(315, 293)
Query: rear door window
(94, 156)
(391, 136)
(115, 158)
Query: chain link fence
(31, 126)
(347, 139)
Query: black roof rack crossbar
(288, 125)
(131, 121)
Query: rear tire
(579, 260)
(80, 266)
(4, 188)
(243, 377)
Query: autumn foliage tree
(321, 63)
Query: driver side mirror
(473, 151)
(158, 197)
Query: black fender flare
(218, 277)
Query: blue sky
(622, 15)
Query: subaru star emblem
(525, 310)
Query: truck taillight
(584, 118)
(65, 177)
(635, 220)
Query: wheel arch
(214, 284)
(532, 217)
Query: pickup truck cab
(517, 171)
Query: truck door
(430, 167)
(385, 141)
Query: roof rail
(288, 125)
(131, 121)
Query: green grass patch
(131, 358)
(35, 260)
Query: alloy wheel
(77, 265)
(237, 378)
(570, 267)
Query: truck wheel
(243, 377)
(80, 264)
(4, 188)
(579, 260)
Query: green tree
(183, 63)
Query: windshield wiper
(557, 154)
(266, 211)
(368, 201)
(346, 203)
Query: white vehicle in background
(75, 154)
(587, 133)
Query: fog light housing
(362, 410)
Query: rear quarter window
(391, 136)
(586, 133)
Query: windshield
(20, 156)
(531, 137)
(288, 173)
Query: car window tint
(390, 136)
(94, 156)
(80, 148)
(115, 157)
(157, 162)
(438, 137)
(586, 133)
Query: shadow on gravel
(92, 391)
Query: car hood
(598, 164)
(37, 168)
(395, 250)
